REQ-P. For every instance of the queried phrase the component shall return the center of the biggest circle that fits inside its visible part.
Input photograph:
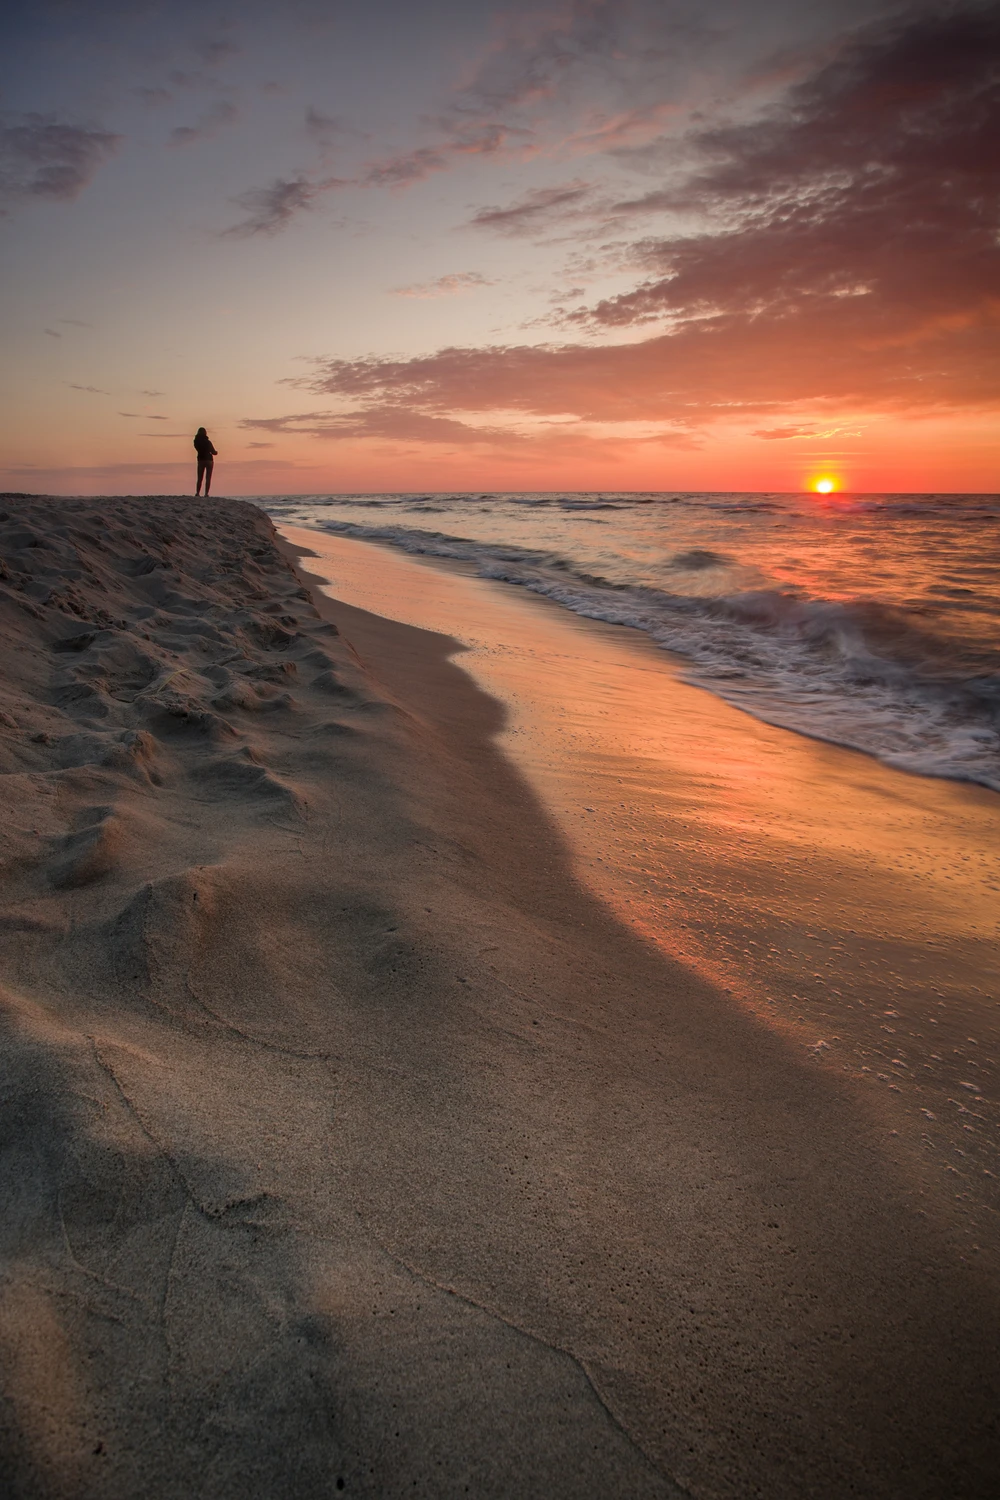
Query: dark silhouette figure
(206, 452)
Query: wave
(855, 673)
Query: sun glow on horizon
(824, 486)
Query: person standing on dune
(206, 452)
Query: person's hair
(201, 432)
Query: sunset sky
(449, 244)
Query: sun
(825, 486)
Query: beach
(360, 1136)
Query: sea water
(871, 621)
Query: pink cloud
(535, 211)
(451, 285)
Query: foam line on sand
(348, 1144)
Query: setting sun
(825, 486)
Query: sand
(350, 1143)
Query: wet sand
(352, 1142)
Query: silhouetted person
(206, 452)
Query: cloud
(389, 421)
(534, 212)
(66, 323)
(41, 157)
(787, 431)
(152, 393)
(208, 124)
(867, 194)
(445, 286)
(790, 431)
(92, 389)
(533, 55)
(397, 422)
(411, 166)
(272, 208)
(849, 255)
(598, 384)
(699, 373)
(260, 445)
(463, 138)
(143, 416)
(613, 68)
(538, 52)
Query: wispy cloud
(535, 211)
(93, 390)
(791, 432)
(143, 416)
(272, 208)
(406, 168)
(66, 323)
(539, 51)
(777, 434)
(43, 157)
(534, 55)
(392, 421)
(639, 57)
(445, 286)
(152, 393)
(462, 138)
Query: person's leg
(208, 476)
(201, 475)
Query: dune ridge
(348, 1144)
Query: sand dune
(347, 1143)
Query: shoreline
(845, 904)
(404, 1161)
(896, 676)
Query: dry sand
(349, 1143)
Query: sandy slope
(348, 1144)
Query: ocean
(870, 621)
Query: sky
(448, 244)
